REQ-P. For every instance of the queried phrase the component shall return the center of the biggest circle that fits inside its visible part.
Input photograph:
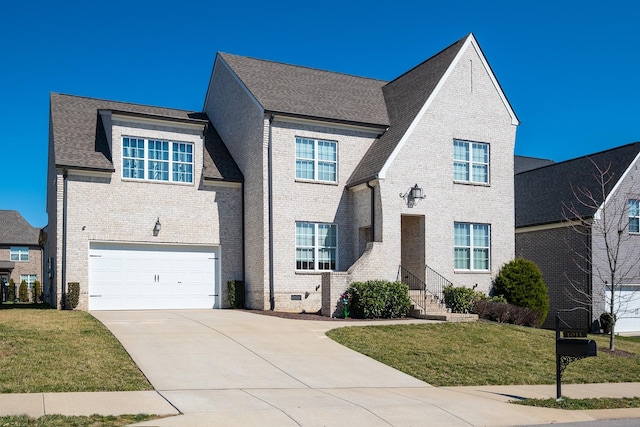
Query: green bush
(379, 299)
(23, 292)
(520, 282)
(461, 299)
(235, 293)
(37, 291)
(503, 312)
(73, 295)
(12, 290)
(607, 320)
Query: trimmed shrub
(461, 299)
(23, 292)
(73, 295)
(235, 293)
(607, 320)
(12, 290)
(379, 299)
(520, 282)
(37, 291)
(503, 312)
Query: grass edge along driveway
(46, 350)
(486, 353)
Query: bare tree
(611, 254)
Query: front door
(4, 290)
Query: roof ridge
(586, 156)
(124, 102)
(463, 39)
(302, 66)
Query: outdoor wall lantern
(413, 196)
(157, 227)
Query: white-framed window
(472, 246)
(29, 278)
(470, 162)
(157, 160)
(19, 253)
(316, 159)
(634, 216)
(316, 246)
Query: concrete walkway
(224, 367)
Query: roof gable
(541, 194)
(15, 230)
(408, 97)
(308, 92)
(79, 137)
(524, 163)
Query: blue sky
(569, 68)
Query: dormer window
(157, 160)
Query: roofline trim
(217, 182)
(549, 226)
(85, 171)
(340, 124)
(152, 118)
(616, 186)
(470, 41)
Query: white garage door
(628, 308)
(134, 277)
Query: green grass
(484, 353)
(583, 404)
(44, 350)
(69, 421)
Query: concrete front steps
(436, 310)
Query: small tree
(520, 282)
(37, 291)
(12, 290)
(610, 250)
(73, 295)
(23, 292)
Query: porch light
(413, 195)
(157, 227)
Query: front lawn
(484, 353)
(45, 350)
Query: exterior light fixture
(413, 196)
(157, 227)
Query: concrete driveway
(225, 367)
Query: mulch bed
(310, 316)
(616, 353)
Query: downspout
(244, 239)
(272, 303)
(373, 211)
(63, 299)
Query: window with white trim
(470, 162)
(19, 253)
(157, 160)
(29, 279)
(634, 216)
(316, 246)
(316, 159)
(472, 244)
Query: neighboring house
(570, 252)
(20, 250)
(343, 178)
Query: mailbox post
(569, 350)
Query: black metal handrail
(436, 282)
(434, 285)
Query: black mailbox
(576, 348)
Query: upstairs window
(470, 162)
(634, 216)
(316, 246)
(19, 253)
(316, 160)
(472, 244)
(157, 160)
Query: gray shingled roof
(540, 194)
(309, 92)
(79, 139)
(404, 97)
(524, 163)
(15, 230)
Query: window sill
(149, 181)
(312, 272)
(307, 181)
(471, 271)
(477, 184)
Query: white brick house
(323, 158)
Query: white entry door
(138, 277)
